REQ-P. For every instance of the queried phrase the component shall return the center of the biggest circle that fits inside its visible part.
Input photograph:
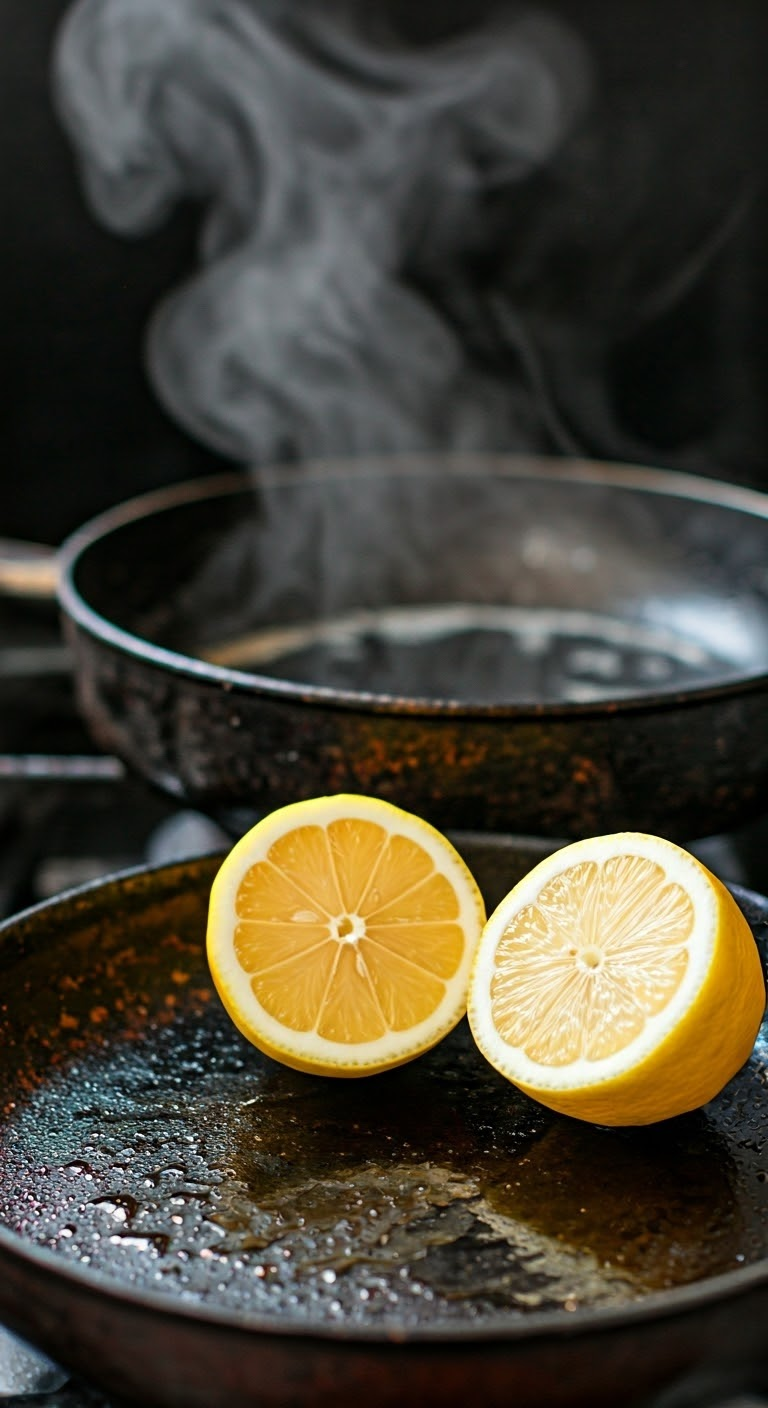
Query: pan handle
(28, 571)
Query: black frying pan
(187, 1224)
(503, 645)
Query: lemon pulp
(340, 934)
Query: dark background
(80, 426)
(646, 244)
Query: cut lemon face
(341, 932)
(618, 982)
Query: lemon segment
(618, 982)
(341, 931)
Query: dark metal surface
(665, 731)
(185, 1222)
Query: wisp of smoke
(330, 165)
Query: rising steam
(339, 174)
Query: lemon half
(341, 932)
(618, 982)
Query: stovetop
(69, 814)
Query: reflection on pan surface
(144, 1139)
(480, 654)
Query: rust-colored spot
(68, 1022)
(179, 977)
(99, 1014)
(174, 941)
(584, 770)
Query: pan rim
(713, 1293)
(651, 480)
(678, 1301)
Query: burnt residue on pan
(143, 1138)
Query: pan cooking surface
(485, 654)
(142, 1138)
(493, 582)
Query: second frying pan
(551, 648)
